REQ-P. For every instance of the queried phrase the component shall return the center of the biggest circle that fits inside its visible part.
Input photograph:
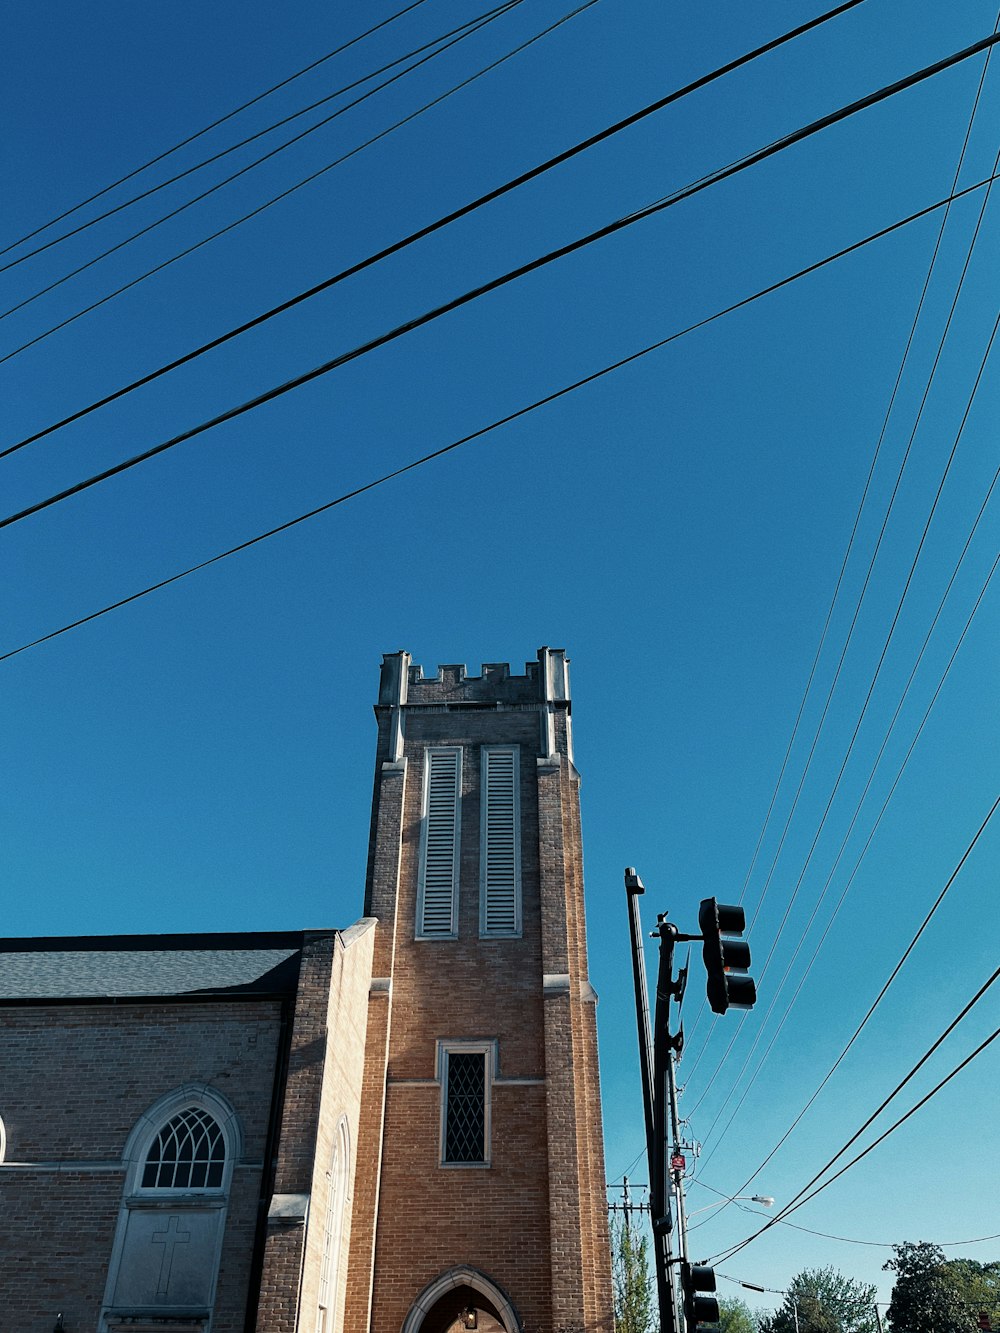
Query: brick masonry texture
(75, 1080)
(534, 1221)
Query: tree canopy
(932, 1294)
(735, 1316)
(822, 1300)
(635, 1306)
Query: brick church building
(391, 1128)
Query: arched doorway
(461, 1299)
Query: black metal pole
(662, 1054)
(661, 1238)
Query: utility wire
(871, 472)
(465, 30)
(457, 302)
(269, 203)
(850, 633)
(456, 444)
(702, 1009)
(183, 143)
(491, 195)
(252, 138)
(830, 1072)
(913, 432)
(852, 1240)
(888, 640)
(803, 1197)
(857, 811)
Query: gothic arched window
(189, 1153)
(179, 1162)
(333, 1228)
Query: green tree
(822, 1300)
(735, 1316)
(635, 1306)
(932, 1294)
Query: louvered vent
(500, 852)
(439, 851)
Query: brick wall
(75, 1079)
(534, 1221)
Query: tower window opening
(466, 1075)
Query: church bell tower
(479, 1198)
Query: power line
(491, 195)
(798, 1201)
(269, 203)
(871, 472)
(836, 592)
(252, 138)
(853, 1240)
(860, 803)
(885, 648)
(494, 284)
(830, 1072)
(467, 29)
(552, 397)
(875, 552)
(183, 143)
(854, 623)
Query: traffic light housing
(724, 957)
(698, 1309)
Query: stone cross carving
(170, 1238)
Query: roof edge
(360, 928)
(214, 940)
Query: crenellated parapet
(544, 687)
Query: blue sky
(202, 759)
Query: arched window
(3, 1141)
(179, 1161)
(333, 1228)
(189, 1153)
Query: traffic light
(723, 957)
(698, 1309)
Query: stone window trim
(3, 1141)
(462, 1276)
(199, 1096)
(440, 844)
(488, 1048)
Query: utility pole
(627, 1206)
(685, 1310)
(661, 1216)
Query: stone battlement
(545, 680)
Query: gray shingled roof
(69, 973)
